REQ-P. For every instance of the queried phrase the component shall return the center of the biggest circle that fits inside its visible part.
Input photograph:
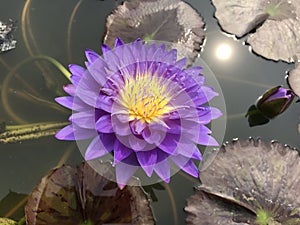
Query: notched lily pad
(275, 22)
(249, 182)
(294, 79)
(161, 20)
(6, 39)
(71, 196)
(9, 202)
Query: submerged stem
(9, 77)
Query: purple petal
(70, 89)
(153, 135)
(136, 144)
(75, 79)
(67, 133)
(162, 169)
(174, 126)
(76, 70)
(104, 102)
(96, 149)
(123, 173)
(108, 140)
(118, 42)
(72, 132)
(194, 71)
(187, 149)
(206, 114)
(105, 48)
(169, 144)
(147, 160)
(97, 71)
(181, 63)
(104, 124)
(84, 119)
(91, 55)
(186, 165)
(121, 152)
(197, 155)
(171, 56)
(66, 101)
(207, 140)
(137, 126)
(121, 129)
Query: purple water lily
(143, 106)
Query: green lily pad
(71, 196)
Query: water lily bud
(275, 101)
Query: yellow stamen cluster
(146, 97)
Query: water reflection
(223, 51)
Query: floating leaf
(255, 117)
(276, 24)
(6, 38)
(13, 203)
(161, 20)
(249, 182)
(294, 79)
(71, 196)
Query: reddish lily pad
(161, 20)
(75, 196)
(275, 22)
(247, 182)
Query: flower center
(146, 97)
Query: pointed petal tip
(121, 186)
(105, 48)
(91, 55)
(118, 42)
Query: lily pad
(248, 182)
(6, 39)
(294, 79)
(71, 196)
(275, 25)
(9, 202)
(161, 20)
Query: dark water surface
(43, 28)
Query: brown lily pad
(294, 79)
(171, 21)
(275, 25)
(76, 196)
(248, 181)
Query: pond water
(44, 28)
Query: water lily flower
(143, 106)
